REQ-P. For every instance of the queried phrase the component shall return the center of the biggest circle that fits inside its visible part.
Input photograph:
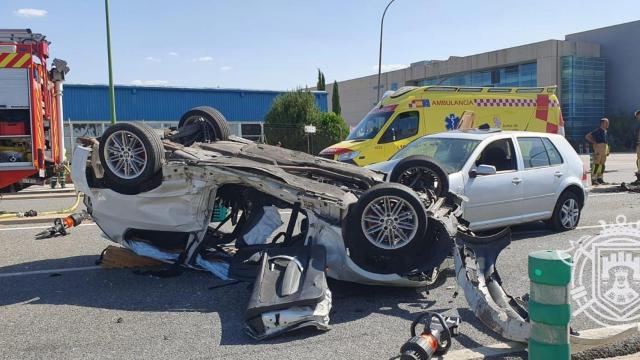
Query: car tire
(375, 222)
(566, 214)
(131, 154)
(215, 124)
(419, 173)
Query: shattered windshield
(451, 153)
(369, 127)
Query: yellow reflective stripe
(21, 62)
(7, 60)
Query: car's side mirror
(482, 170)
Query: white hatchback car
(508, 177)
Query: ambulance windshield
(370, 126)
(451, 153)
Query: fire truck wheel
(386, 229)
(213, 123)
(421, 173)
(131, 154)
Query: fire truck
(31, 128)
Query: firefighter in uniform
(598, 139)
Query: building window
(252, 131)
(582, 95)
(523, 75)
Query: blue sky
(279, 44)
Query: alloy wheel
(389, 222)
(569, 214)
(125, 154)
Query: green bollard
(549, 305)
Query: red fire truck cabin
(31, 131)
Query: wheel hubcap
(569, 214)
(125, 154)
(421, 179)
(389, 222)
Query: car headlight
(348, 156)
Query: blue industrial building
(86, 107)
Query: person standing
(598, 139)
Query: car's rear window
(538, 152)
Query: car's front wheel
(385, 231)
(421, 174)
(566, 213)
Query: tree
(288, 115)
(321, 85)
(330, 129)
(286, 119)
(335, 99)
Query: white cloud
(30, 13)
(150, 82)
(153, 59)
(202, 59)
(173, 53)
(225, 68)
(389, 67)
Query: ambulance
(412, 112)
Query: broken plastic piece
(290, 292)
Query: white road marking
(596, 336)
(537, 231)
(484, 351)
(39, 227)
(50, 271)
(588, 227)
(609, 194)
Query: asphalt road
(97, 313)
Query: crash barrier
(549, 306)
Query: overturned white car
(157, 197)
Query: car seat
(497, 157)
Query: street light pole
(380, 49)
(112, 96)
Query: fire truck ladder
(19, 36)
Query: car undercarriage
(169, 197)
